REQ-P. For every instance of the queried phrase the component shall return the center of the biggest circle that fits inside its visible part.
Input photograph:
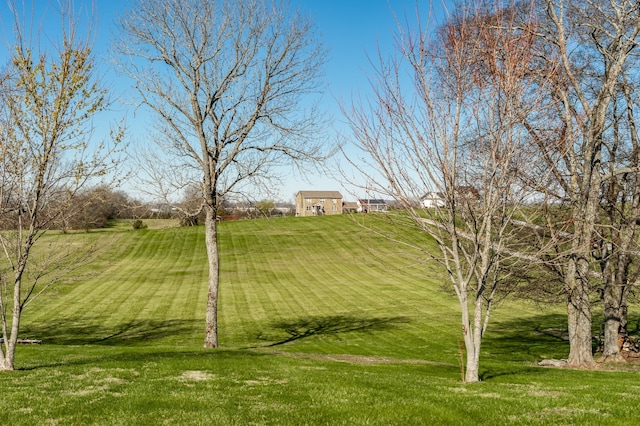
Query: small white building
(432, 199)
(372, 205)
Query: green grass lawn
(322, 322)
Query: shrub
(138, 224)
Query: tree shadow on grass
(528, 339)
(516, 346)
(92, 331)
(302, 328)
(128, 357)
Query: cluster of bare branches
(586, 62)
(518, 118)
(226, 81)
(454, 131)
(48, 95)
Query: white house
(433, 199)
(368, 206)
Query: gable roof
(464, 191)
(432, 196)
(350, 205)
(319, 194)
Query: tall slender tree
(49, 94)
(584, 48)
(452, 130)
(227, 81)
(615, 242)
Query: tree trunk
(8, 361)
(624, 309)
(615, 320)
(473, 366)
(473, 351)
(11, 341)
(579, 316)
(577, 278)
(612, 320)
(211, 237)
(471, 344)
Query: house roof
(432, 196)
(372, 201)
(319, 194)
(466, 190)
(350, 205)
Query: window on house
(307, 200)
(333, 200)
(334, 208)
(322, 200)
(308, 208)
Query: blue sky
(349, 29)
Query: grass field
(321, 323)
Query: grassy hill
(322, 322)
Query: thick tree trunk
(612, 321)
(624, 309)
(579, 317)
(616, 289)
(577, 278)
(211, 237)
(473, 366)
(615, 312)
(611, 351)
(472, 347)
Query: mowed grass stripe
(364, 353)
(152, 280)
(247, 280)
(278, 277)
(172, 276)
(284, 275)
(135, 284)
(334, 271)
(325, 267)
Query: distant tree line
(90, 208)
(228, 82)
(95, 207)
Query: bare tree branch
(228, 82)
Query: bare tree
(452, 131)
(584, 47)
(615, 243)
(49, 94)
(227, 81)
